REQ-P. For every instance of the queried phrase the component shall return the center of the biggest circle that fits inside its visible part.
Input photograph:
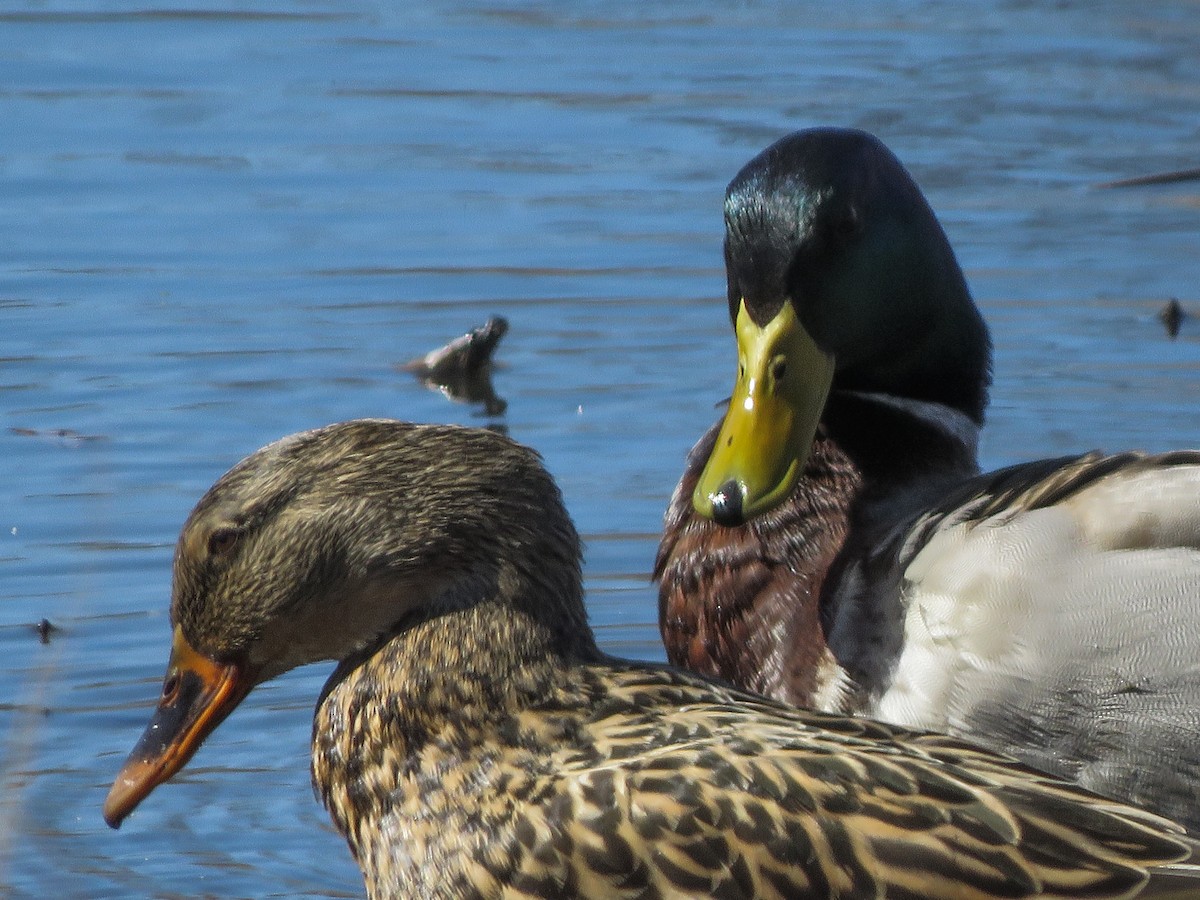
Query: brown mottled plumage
(743, 604)
(473, 742)
(834, 545)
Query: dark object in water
(462, 370)
(44, 629)
(65, 436)
(1156, 178)
(1172, 316)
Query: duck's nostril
(170, 688)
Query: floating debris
(44, 629)
(67, 436)
(462, 370)
(1172, 316)
(1156, 178)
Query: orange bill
(198, 693)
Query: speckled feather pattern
(610, 779)
(474, 743)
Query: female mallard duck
(474, 742)
(831, 543)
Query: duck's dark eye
(221, 541)
(779, 369)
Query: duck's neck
(906, 451)
(754, 604)
(438, 696)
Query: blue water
(222, 223)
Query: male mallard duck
(833, 545)
(474, 742)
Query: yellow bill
(782, 383)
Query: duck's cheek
(198, 693)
